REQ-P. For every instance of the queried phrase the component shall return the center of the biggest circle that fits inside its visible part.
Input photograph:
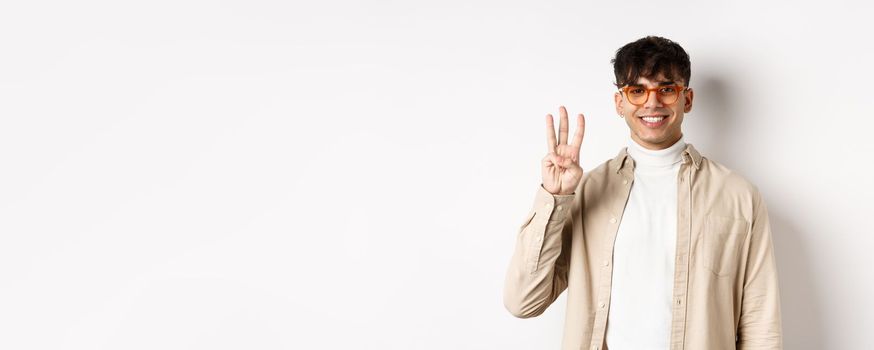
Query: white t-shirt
(643, 260)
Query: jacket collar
(688, 152)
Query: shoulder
(602, 172)
(728, 190)
(602, 179)
(727, 179)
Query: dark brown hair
(649, 56)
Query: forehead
(655, 81)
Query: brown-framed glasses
(666, 94)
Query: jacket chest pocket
(721, 241)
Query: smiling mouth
(654, 121)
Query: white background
(344, 174)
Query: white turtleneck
(644, 252)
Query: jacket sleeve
(760, 325)
(538, 269)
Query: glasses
(666, 94)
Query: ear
(690, 94)
(617, 98)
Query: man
(659, 247)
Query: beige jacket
(725, 280)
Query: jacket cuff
(554, 206)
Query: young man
(659, 247)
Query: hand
(561, 167)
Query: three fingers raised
(552, 143)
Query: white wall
(273, 175)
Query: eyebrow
(661, 83)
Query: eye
(636, 91)
(668, 90)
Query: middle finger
(562, 126)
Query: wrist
(559, 193)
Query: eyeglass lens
(665, 94)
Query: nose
(652, 100)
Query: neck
(658, 158)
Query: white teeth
(653, 119)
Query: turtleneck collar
(657, 158)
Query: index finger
(562, 126)
(550, 134)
